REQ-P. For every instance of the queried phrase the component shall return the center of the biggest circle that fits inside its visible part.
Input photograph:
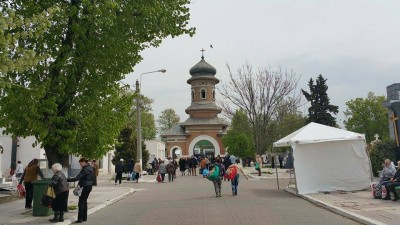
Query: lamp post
(139, 117)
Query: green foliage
(320, 109)
(148, 125)
(167, 119)
(379, 152)
(238, 139)
(70, 100)
(287, 124)
(126, 147)
(16, 29)
(367, 116)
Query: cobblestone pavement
(362, 205)
(191, 200)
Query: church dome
(202, 68)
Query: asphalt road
(191, 200)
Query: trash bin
(39, 189)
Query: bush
(381, 151)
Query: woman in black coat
(182, 166)
(85, 178)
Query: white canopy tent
(328, 159)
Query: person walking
(85, 178)
(138, 170)
(19, 170)
(96, 172)
(170, 171)
(61, 189)
(235, 180)
(218, 182)
(129, 167)
(258, 164)
(30, 174)
(182, 166)
(119, 169)
(162, 170)
(194, 165)
(227, 163)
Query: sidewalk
(359, 206)
(101, 196)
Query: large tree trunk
(55, 157)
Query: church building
(201, 133)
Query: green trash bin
(39, 189)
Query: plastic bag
(20, 192)
(214, 173)
(78, 191)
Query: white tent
(328, 159)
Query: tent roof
(315, 132)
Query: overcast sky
(355, 44)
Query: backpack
(231, 172)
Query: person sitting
(388, 171)
(392, 184)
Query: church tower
(201, 133)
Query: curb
(337, 210)
(103, 205)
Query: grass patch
(72, 207)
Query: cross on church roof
(202, 53)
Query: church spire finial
(202, 53)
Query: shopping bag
(257, 166)
(214, 173)
(48, 197)
(20, 192)
(77, 191)
(159, 178)
(205, 172)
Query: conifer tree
(320, 109)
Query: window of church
(213, 94)
(192, 94)
(203, 94)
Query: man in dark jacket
(130, 170)
(119, 169)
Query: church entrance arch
(204, 145)
(175, 152)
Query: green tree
(320, 109)
(126, 147)
(379, 152)
(238, 139)
(167, 119)
(148, 125)
(71, 101)
(367, 116)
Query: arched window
(192, 94)
(213, 94)
(203, 93)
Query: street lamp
(139, 117)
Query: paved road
(191, 200)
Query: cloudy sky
(355, 44)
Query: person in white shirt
(19, 170)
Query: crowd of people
(191, 166)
